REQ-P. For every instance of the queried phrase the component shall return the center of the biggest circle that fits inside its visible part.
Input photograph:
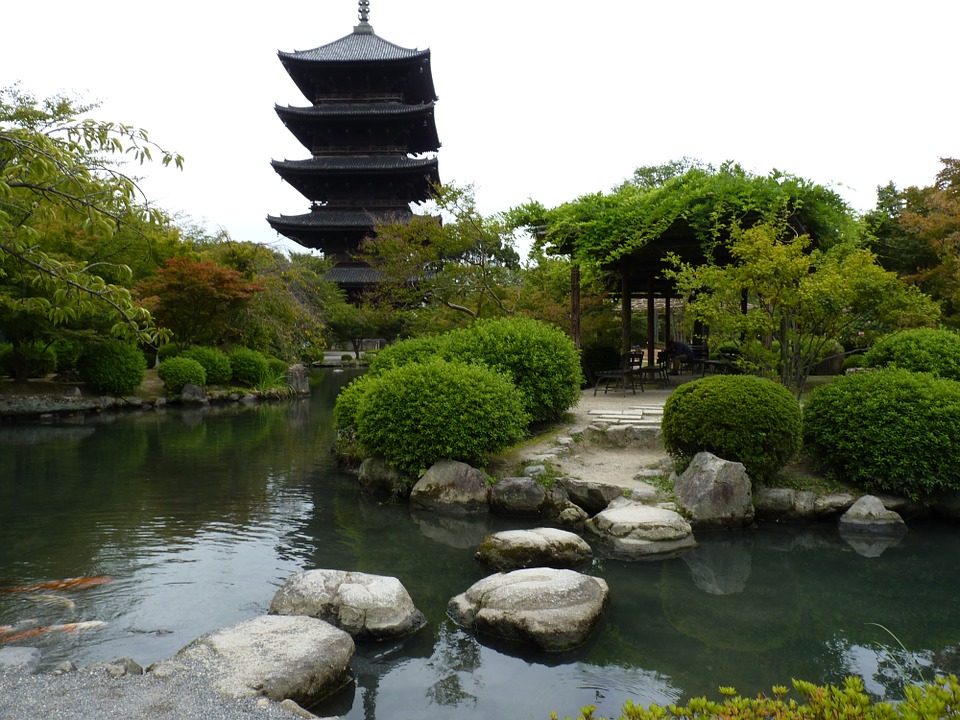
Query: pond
(198, 516)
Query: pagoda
(372, 138)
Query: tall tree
(467, 263)
(59, 170)
(916, 232)
(802, 301)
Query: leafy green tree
(801, 301)
(917, 233)
(58, 170)
(289, 316)
(467, 263)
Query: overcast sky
(542, 99)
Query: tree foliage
(466, 263)
(801, 301)
(61, 173)
(198, 300)
(917, 233)
(685, 199)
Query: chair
(626, 375)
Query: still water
(199, 516)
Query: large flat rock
(277, 656)
(551, 609)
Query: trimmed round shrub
(215, 363)
(539, 358)
(920, 350)
(169, 350)
(250, 367)
(278, 368)
(741, 418)
(178, 371)
(417, 414)
(851, 362)
(112, 366)
(404, 352)
(887, 430)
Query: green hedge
(40, 358)
(937, 700)
(920, 350)
(887, 430)
(112, 366)
(741, 418)
(250, 367)
(417, 414)
(215, 363)
(410, 350)
(178, 371)
(539, 358)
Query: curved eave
(321, 220)
(411, 127)
(409, 77)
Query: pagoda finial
(364, 26)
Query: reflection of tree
(449, 692)
(457, 656)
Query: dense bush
(404, 352)
(39, 359)
(68, 355)
(937, 700)
(887, 430)
(277, 368)
(539, 358)
(417, 414)
(112, 366)
(920, 350)
(169, 350)
(741, 418)
(215, 363)
(178, 371)
(250, 367)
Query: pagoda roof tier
(335, 231)
(375, 177)
(361, 64)
(358, 127)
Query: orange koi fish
(69, 627)
(77, 583)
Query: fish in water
(50, 599)
(77, 583)
(69, 627)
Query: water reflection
(200, 516)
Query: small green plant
(741, 418)
(938, 700)
(112, 366)
(250, 367)
(215, 362)
(178, 371)
(887, 430)
(417, 414)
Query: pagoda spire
(364, 27)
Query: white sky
(542, 99)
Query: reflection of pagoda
(370, 122)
